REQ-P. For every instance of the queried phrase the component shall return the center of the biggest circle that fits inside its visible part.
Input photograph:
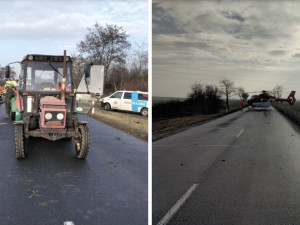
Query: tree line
(205, 99)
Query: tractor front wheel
(83, 144)
(19, 141)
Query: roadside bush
(170, 109)
(203, 100)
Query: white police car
(134, 101)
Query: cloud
(277, 52)
(163, 23)
(69, 20)
(233, 15)
(296, 55)
(51, 26)
(222, 35)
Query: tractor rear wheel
(82, 147)
(19, 141)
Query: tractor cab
(41, 76)
(41, 73)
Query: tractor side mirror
(7, 71)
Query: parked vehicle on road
(133, 101)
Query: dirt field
(133, 124)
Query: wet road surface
(51, 186)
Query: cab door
(126, 101)
(115, 100)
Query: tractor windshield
(43, 76)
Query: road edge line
(177, 205)
(239, 134)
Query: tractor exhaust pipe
(63, 81)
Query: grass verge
(132, 124)
(164, 127)
(290, 112)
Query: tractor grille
(53, 119)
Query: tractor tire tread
(19, 142)
(84, 142)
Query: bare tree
(139, 65)
(105, 45)
(228, 90)
(277, 91)
(240, 91)
(245, 96)
(78, 68)
(2, 73)
(204, 99)
(13, 73)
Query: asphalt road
(51, 186)
(243, 168)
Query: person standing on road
(9, 94)
(241, 104)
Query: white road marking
(199, 145)
(69, 223)
(177, 206)
(233, 146)
(3, 123)
(239, 134)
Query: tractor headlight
(60, 116)
(48, 116)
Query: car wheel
(144, 112)
(107, 106)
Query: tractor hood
(50, 100)
(53, 113)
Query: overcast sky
(49, 27)
(256, 44)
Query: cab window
(143, 97)
(127, 95)
(117, 95)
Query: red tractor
(45, 103)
